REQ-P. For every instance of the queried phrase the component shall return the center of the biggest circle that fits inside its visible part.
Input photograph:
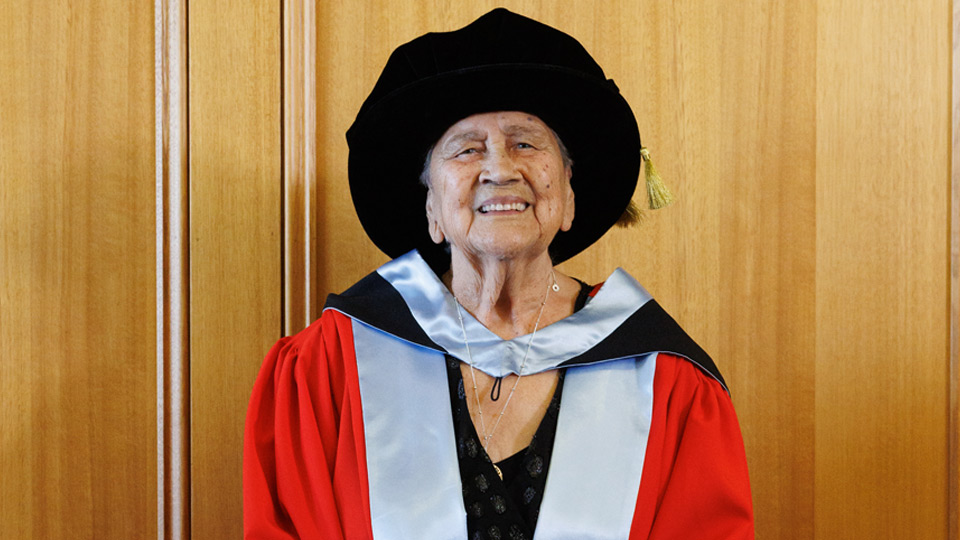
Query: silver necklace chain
(486, 437)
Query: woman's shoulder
(326, 343)
(683, 375)
(323, 327)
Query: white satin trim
(435, 310)
(412, 468)
(598, 453)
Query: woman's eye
(524, 145)
(467, 151)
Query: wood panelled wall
(236, 295)
(809, 144)
(882, 294)
(78, 401)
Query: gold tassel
(658, 193)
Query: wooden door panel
(77, 309)
(235, 241)
(882, 270)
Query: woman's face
(498, 186)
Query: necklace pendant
(499, 472)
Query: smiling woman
(469, 389)
(498, 188)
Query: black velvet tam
(500, 62)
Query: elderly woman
(468, 389)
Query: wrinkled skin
(511, 158)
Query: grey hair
(425, 172)
(564, 156)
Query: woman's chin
(507, 249)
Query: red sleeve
(304, 464)
(694, 482)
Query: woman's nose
(499, 168)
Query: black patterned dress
(503, 509)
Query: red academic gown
(305, 462)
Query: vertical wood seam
(159, 160)
(284, 204)
(172, 181)
(953, 483)
(309, 145)
(298, 142)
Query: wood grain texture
(235, 240)
(77, 312)
(954, 455)
(882, 270)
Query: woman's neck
(507, 295)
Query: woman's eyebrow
(524, 130)
(467, 136)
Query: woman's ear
(569, 206)
(433, 223)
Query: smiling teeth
(519, 207)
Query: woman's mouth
(514, 207)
